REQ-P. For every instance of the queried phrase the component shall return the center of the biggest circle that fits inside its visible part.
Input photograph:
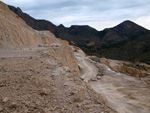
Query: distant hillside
(35, 24)
(124, 31)
(136, 50)
(101, 43)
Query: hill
(100, 43)
(136, 50)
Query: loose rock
(1, 109)
(44, 91)
(5, 99)
(13, 105)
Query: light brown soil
(33, 82)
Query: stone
(80, 95)
(5, 99)
(94, 78)
(98, 77)
(66, 69)
(37, 102)
(78, 105)
(13, 105)
(1, 109)
(86, 107)
(44, 91)
(65, 84)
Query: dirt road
(88, 70)
(125, 94)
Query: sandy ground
(88, 70)
(125, 94)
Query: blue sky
(99, 14)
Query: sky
(99, 14)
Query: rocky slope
(16, 33)
(39, 73)
(138, 70)
(107, 43)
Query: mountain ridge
(35, 24)
(90, 40)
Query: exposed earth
(124, 93)
(33, 80)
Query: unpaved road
(88, 70)
(125, 94)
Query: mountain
(73, 34)
(94, 42)
(136, 50)
(35, 24)
(129, 42)
(124, 31)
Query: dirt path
(125, 94)
(88, 70)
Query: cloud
(143, 21)
(104, 13)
